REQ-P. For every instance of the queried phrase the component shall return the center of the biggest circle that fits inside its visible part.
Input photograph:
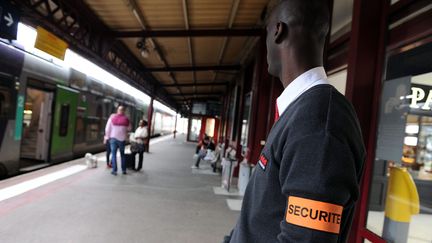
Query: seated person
(211, 145)
(201, 150)
(201, 143)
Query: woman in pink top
(116, 131)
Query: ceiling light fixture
(142, 47)
(145, 53)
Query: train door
(37, 124)
(64, 120)
(44, 132)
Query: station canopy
(187, 50)
(186, 44)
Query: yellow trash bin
(402, 202)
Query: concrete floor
(165, 203)
(419, 229)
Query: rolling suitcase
(130, 161)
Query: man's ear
(281, 32)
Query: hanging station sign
(51, 44)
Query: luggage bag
(130, 161)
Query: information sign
(51, 44)
(9, 19)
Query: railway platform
(222, 73)
(166, 202)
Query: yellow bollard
(402, 202)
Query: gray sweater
(306, 182)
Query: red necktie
(276, 114)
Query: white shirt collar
(298, 86)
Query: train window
(99, 114)
(2, 102)
(96, 88)
(7, 100)
(80, 130)
(99, 111)
(64, 120)
(93, 130)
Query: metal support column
(188, 129)
(260, 103)
(365, 68)
(149, 120)
(175, 126)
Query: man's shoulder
(311, 105)
(322, 92)
(339, 114)
(322, 97)
(321, 107)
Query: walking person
(108, 149)
(306, 184)
(116, 131)
(137, 147)
(108, 152)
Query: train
(51, 113)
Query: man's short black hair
(311, 16)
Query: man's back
(313, 153)
(117, 127)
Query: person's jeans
(121, 146)
(108, 152)
(201, 155)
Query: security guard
(306, 183)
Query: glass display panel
(400, 199)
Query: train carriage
(11, 100)
(51, 113)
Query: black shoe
(113, 173)
(124, 172)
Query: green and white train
(50, 113)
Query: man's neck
(297, 59)
(291, 71)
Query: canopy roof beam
(198, 94)
(193, 68)
(188, 33)
(196, 84)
